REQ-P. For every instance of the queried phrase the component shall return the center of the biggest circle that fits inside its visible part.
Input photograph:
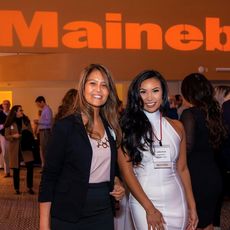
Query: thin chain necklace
(159, 139)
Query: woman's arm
(154, 217)
(185, 178)
(11, 136)
(188, 122)
(45, 216)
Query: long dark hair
(136, 128)
(11, 118)
(109, 110)
(198, 90)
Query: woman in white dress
(153, 160)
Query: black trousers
(97, 212)
(29, 175)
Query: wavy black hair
(136, 128)
(198, 90)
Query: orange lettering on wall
(113, 31)
(133, 35)
(184, 37)
(44, 22)
(43, 30)
(85, 35)
(214, 33)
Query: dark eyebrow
(158, 87)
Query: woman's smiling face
(96, 89)
(151, 94)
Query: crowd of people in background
(159, 162)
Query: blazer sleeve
(55, 158)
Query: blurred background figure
(120, 107)
(18, 132)
(205, 134)
(222, 94)
(171, 108)
(178, 100)
(185, 105)
(35, 127)
(67, 106)
(44, 125)
(223, 97)
(3, 142)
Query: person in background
(120, 107)
(3, 142)
(44, 125)
(35, 126)
(171, 108)
(185, 105)
(179, 103)
(205, 133)
(67, 104)
(178, 100)
(18, 132)
(80, 177)
(1, 157)
(222, 95)
(153, 160)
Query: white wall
(26, 97)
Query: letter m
(44, 23)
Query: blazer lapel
(79, 123)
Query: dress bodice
(170, 138)
(162, 185)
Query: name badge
(162, 158)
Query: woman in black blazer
(79, 182)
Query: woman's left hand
(193, 220)
(118, 190)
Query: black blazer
(66, 173)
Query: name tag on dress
(162, 158)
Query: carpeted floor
(20, 212)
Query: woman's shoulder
(190, 113)
(176, 124)
(68, 121)
(63, 122)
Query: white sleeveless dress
(163, 186)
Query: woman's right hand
(155, 220)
